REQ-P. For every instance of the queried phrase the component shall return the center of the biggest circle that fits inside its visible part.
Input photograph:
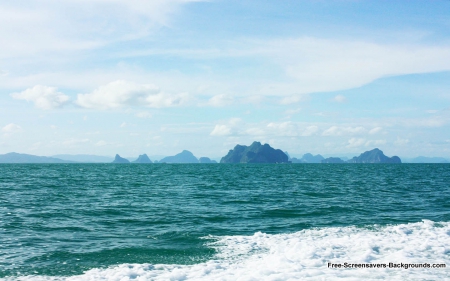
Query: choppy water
(222, 221)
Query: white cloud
(31, 29)
(43, 97)
(311, 64)
(288, 129)
(375, 130)
(255, 132)
(36, 145)
(322, 65)
(220, 100)
(72, 24)
(356, 142)
(375, 142)
(310, 130)
(293, 99)
(253, 99)
(121, 93)
(143, 114)
(231, 127)
(157, 11)
(437, 121)
(401, 142)
(355, 130)
(321, 114)
(325, 65)
(74, 142)
(292, 111)
(341, 131)
(340, 99)
(235, 121)
(101, 143)
(3, 73)
(291, 129)
(221, 130)
(11, 129)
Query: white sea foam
(304, 255)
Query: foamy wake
(304, 255)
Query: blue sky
(159, 76)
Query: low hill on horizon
(14, 157)
(84, 158)
(184, 157)
(423, 159)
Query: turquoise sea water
(222, 221)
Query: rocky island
(372, 156)
(333, 160)
(142, 159)
(206, 160)
(255, 153)
(308, 158)
(120, 160)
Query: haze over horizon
(157, 77)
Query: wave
(304, 255)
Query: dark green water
(65, 219)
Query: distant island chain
(255, 153)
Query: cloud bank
(11, 128)
(32, 27)
(121, 93)
(43, 97)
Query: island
(308, 158)
(206, 160)
(120, 160)
(142, 159)
(374, 156)
(255, 153)
(184, 157)
(333, 160)
(371, 156)
(423, 159)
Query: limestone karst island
(255, 153)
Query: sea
(224, 222)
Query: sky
(129, 77)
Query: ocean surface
(224, 221)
